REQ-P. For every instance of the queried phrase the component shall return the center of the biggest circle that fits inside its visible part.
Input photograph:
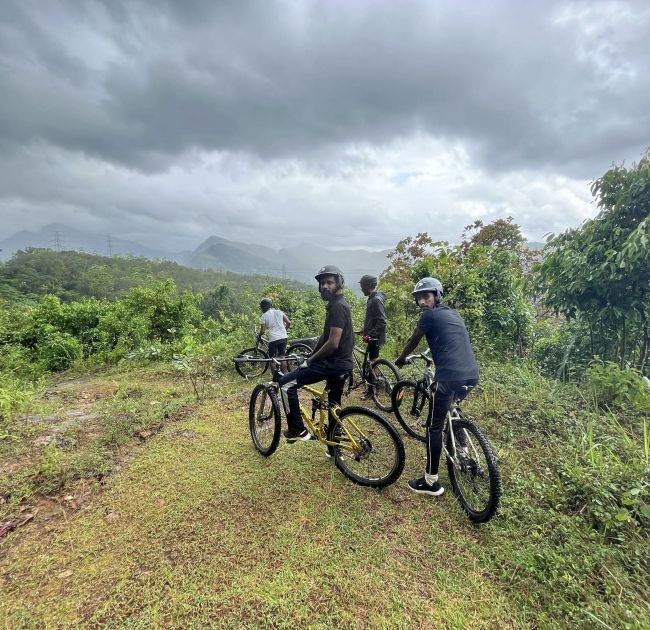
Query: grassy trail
(199, 530)
(195, 529)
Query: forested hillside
(72, 275)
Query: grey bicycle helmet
(331, 270)
(368, 282)
(266, 304)
(427, 285)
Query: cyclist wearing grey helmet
(331, 360)
(456, 370)
(374, 323)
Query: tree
(484, 282)
(501, 233)
(600, 273)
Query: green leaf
(645, 510)
(622, 515)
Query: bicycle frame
(261, 343)
(363, 367)
(317, 429)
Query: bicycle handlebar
(425, 356)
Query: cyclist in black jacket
(374, 324)
(456, 370)
(331, 361)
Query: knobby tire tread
(493, 468)
(277, 423)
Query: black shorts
(277, 348)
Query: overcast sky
(338, 122)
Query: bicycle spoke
(367, 449)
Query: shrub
(58, 351)
(613, 386)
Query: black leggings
(446, 392)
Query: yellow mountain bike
(365, 447)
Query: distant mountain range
(298, 263)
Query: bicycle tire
(376, 433)
(412, 404)
(469, 470)
(264, 415)
(300, 349)
(383, 385)
(251, 370)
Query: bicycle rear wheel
(264, 419)
(385, 377)
(251, 369)
(301, 350)
(473, 471)
(370, 452)
(412, 403)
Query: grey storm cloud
(523, 85)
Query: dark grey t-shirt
(339, 316)
(451, 349)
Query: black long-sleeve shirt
(374, 324)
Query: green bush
(58, 351)
(612, 386)
(13, 397)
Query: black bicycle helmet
(368, 282)
(331, 270)
(266, 304)
(427, 285)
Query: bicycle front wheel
(385, 377)
(369, 450)
(251, 369)
(264, 419)
(473, 471)
(412, 403)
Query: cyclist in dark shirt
(456, 370)
(331, 360)
(374, 323)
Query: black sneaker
(301, 436)
(422, 487)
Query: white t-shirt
(273, 320)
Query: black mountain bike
(378, 376)
(471, 463)
(253, 362)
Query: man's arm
(318, 346)
(411, 345)
(328, 347)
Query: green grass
(198, 530)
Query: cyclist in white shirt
(276, 322)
